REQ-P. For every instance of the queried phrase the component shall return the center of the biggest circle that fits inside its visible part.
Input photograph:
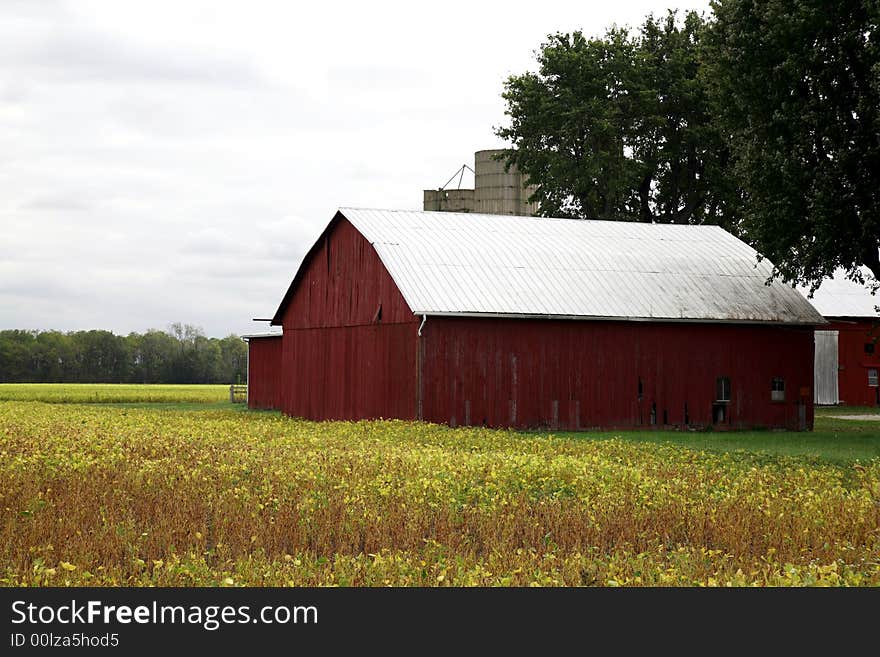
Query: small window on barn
(777, 389)
(872, 378)
(722, 389)
(869, 347)
(641, 389)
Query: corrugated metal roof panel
(501, 265)
(840, 297)
(480, 264)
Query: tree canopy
(618, 127)
(795, 87)
(765, 119)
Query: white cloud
(171, 161)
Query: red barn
(507, 321)
(264, 382)
(847, 359)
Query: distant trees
(181, 355)
(152, 356)
(232, 365)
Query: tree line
(182, 354)
(763, 117)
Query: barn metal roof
(258, 336)
(840, 297)
(471, 264)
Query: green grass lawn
(833, 440)
(847, 410)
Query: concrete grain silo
(496, 191)
(449, 200)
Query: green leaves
(618, 127)
(796, 90)
(765, 120)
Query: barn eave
(617, 318)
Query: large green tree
(796, 88)
(618, 127)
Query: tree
(52, 356)
(153, 356)
(205, 360)
(796, 89)
(102, 357)
(619, 128)
(16, 355)
(232, 367)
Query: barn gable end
(342, 282)
(349, 348)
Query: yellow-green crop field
(85, 393)
(101, 495)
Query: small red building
(264, 371)
(847, 360)
(507, 321)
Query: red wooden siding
(349, 337)
(343, 285)
(350, 373)
(854, 362)
(264, 372)
(580, 374)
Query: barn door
(825, 370)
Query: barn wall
(854, 362)
(581, 374)
(264, 373)
(349, 337)
(350, 373)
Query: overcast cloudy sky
(173, 161)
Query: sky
(173, 161)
